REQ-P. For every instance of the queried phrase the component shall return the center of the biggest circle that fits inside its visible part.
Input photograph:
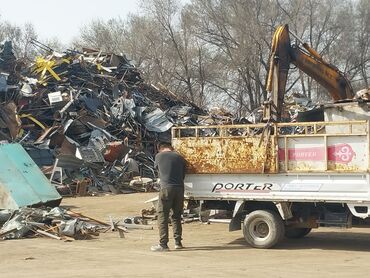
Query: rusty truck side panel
(275, 148)
(228, 154)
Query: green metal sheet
(21, 181)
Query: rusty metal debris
(88, 115)
(230, 149)
(56, 223)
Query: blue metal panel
(21, 181)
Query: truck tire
(296, 232)
(263, 229)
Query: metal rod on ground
(137, 226)
(226, 221)
(189, 220)
(93, 219)
(53, 228)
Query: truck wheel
(263, 229)
(296, 232)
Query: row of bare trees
(215, 52)
(19, 36)
(22, 38)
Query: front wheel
(263, 229)
(296, 232)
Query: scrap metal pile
(62, 224)
(56, 223)
(88, 119)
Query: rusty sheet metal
(115, 150)
(228, 154)
(8, 113)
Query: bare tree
(239, 34)
(215, 52)
(188, 73)
(20, 37)
(105, 35)
(363, 40)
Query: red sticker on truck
(340, 153)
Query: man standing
(171, 167)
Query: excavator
(306, 59)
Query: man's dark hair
(164, 145)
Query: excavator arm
(309, 62)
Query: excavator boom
(309, 62)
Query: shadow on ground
(346, 241)
(216, 248)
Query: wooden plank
(85, 216)
(121, 231)
(41, 232)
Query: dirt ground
(211, 251)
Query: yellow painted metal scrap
(33, 119)
(42, 66)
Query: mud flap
(236, 221)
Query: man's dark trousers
(170, 198)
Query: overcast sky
(62, 19)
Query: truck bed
(317, 161)
(275, 148)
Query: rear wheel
(263, 229)
(296, 232)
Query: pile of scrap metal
(296, 108)
(56, 223)
(88, 119)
